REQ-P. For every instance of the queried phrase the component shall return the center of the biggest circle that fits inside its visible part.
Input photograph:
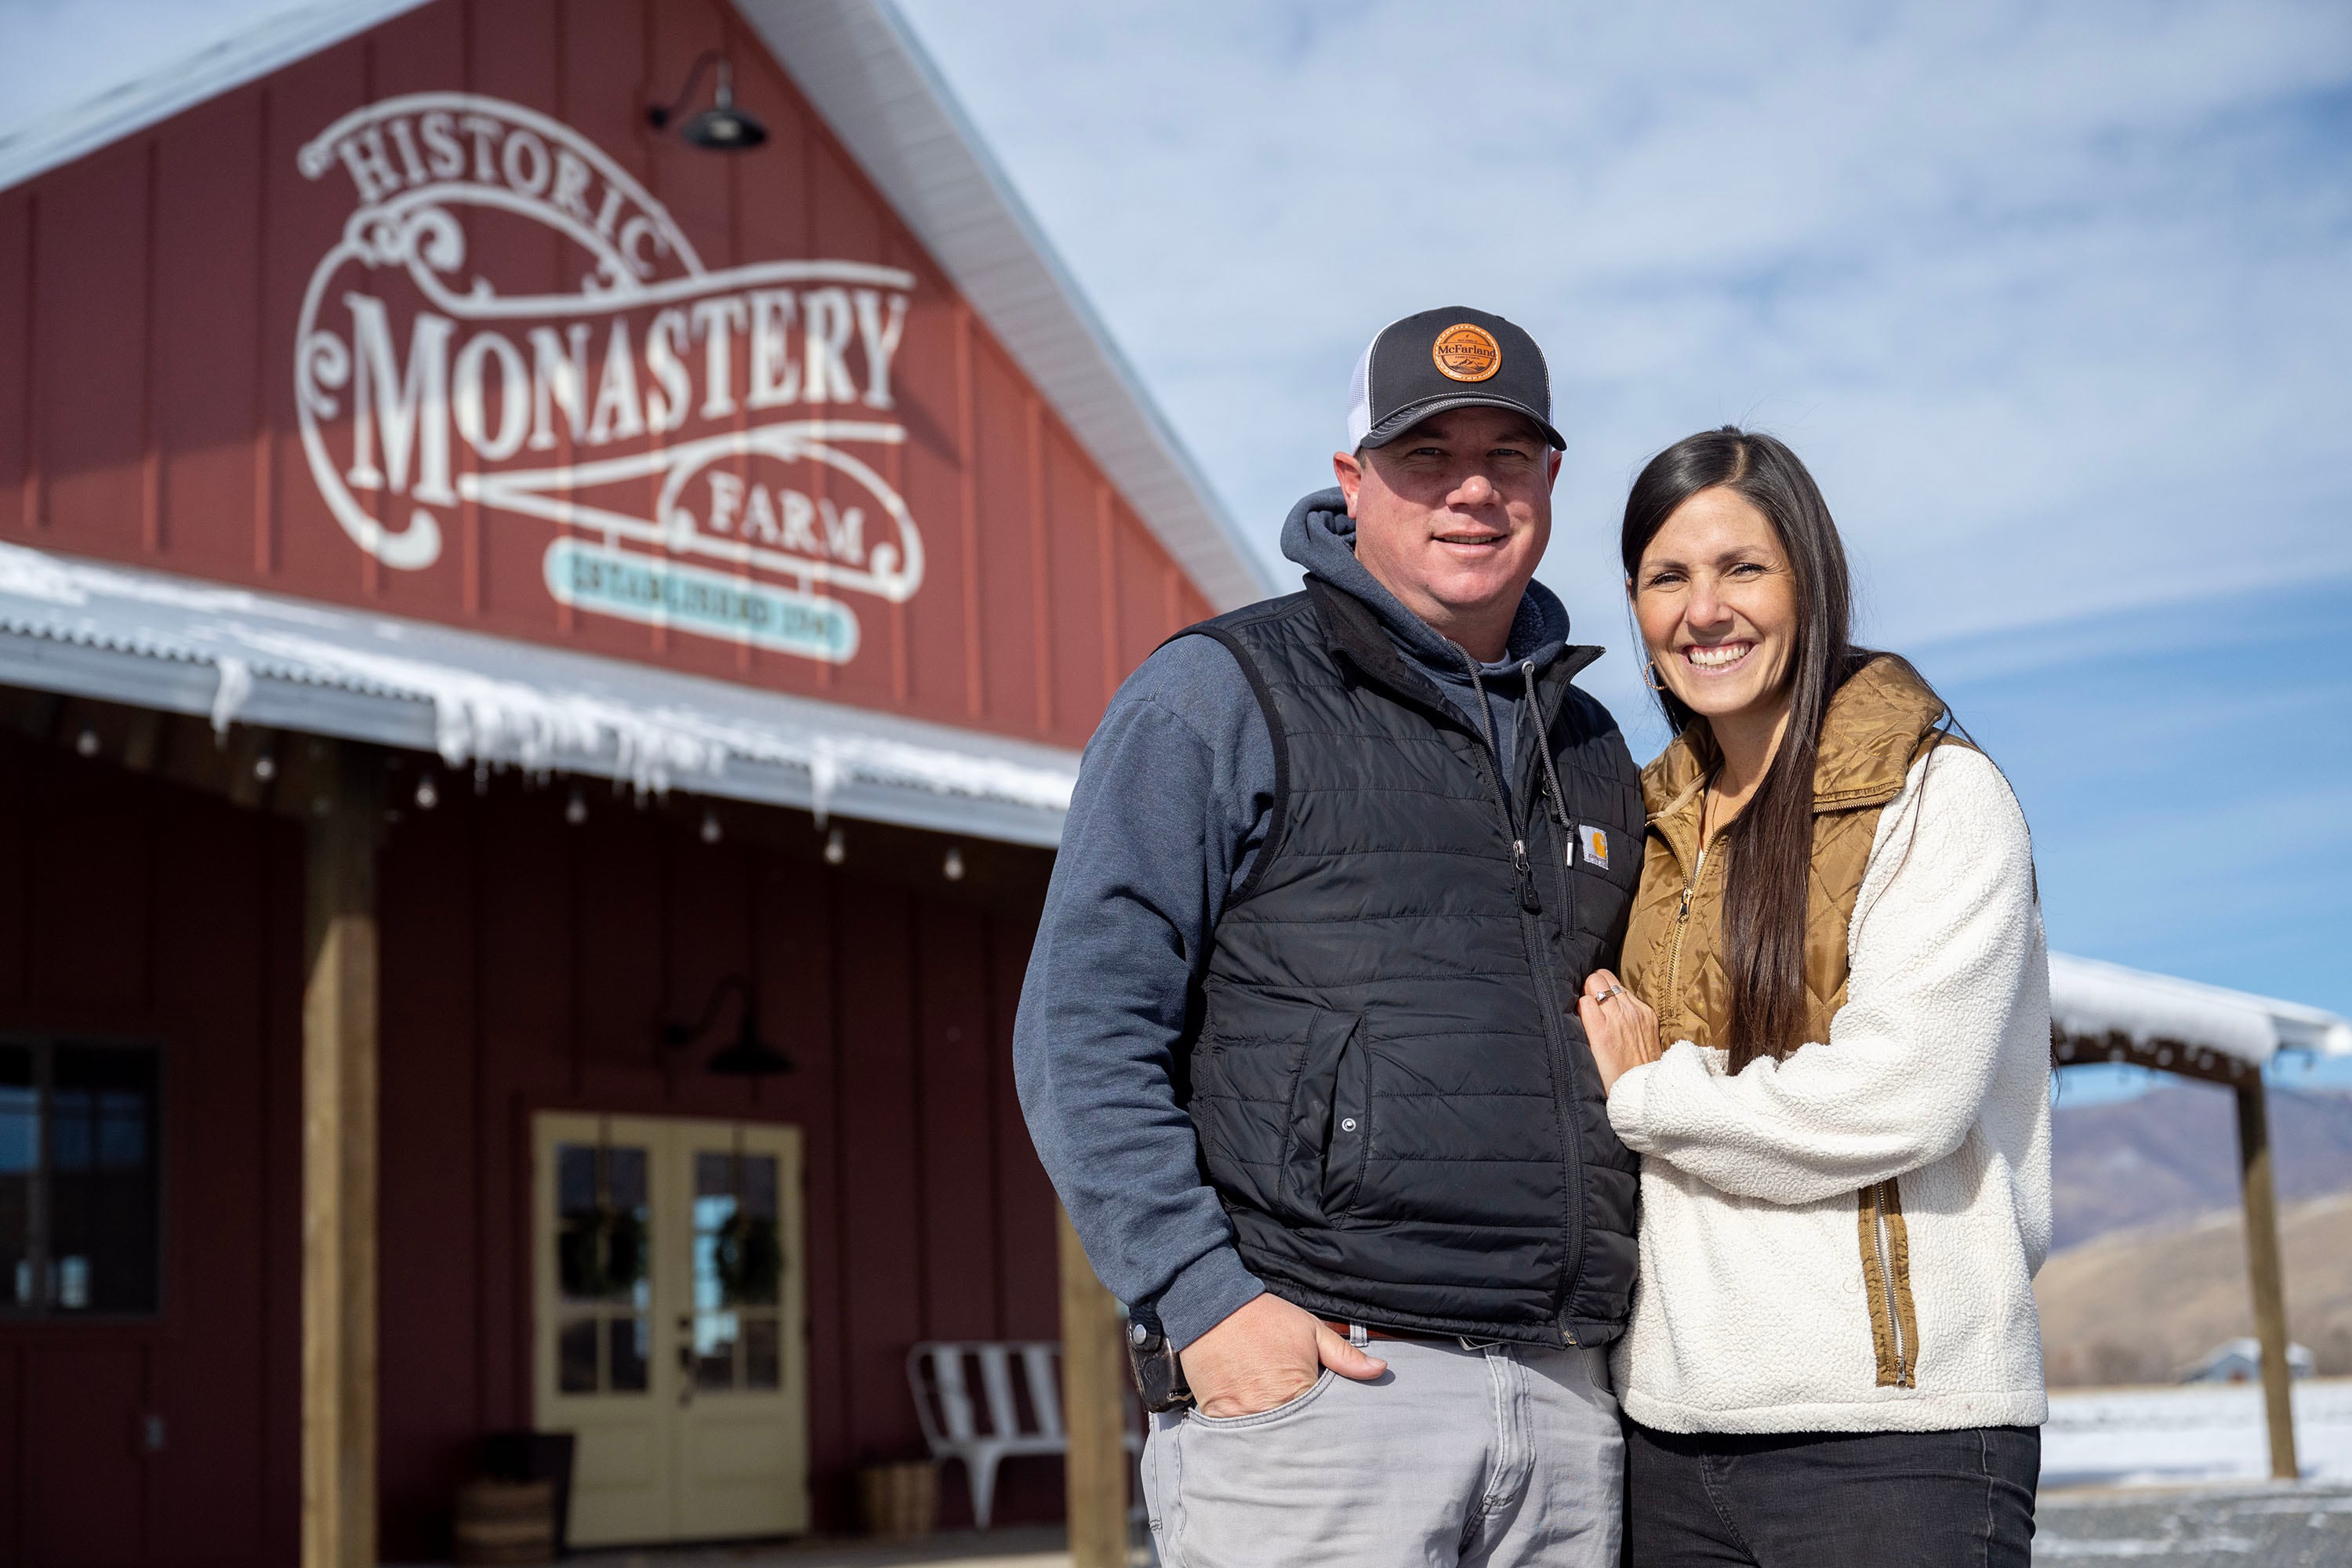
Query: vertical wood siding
(527, 965)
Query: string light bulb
(86, 744)
(575, 811)
(837, 847)
(711, 831)
(428, 794)
(952, 867)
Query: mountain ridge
(2171, 1154)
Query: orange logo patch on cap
(1466, 352)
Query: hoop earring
(1651, 679)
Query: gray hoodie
(1171, 810)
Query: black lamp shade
(724, 128)
(747, 1056)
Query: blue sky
(2056, 300)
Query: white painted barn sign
(696, 434)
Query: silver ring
(1612, 991)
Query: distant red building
(509, 617)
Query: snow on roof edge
(149, 637)
(229, 61)
(2090, 997)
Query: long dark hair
(1771, 842)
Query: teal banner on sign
(605, 581)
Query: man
(1300, 1043)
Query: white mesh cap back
(1359, 393)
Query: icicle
(229, 696)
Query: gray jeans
(1487, 1454)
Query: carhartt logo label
(1596, 845)
(693, 435)
(1467, 353)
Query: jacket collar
(1353, 632)
(1874, 727)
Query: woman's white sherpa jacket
(1750, 1315)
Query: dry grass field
(2135, 1305)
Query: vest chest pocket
(1604, 869)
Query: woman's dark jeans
(1832, 1500)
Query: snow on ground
(2190, 1435)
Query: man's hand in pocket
(1267, 1354)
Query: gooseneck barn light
(722, 127)
(746, 1056)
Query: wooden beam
(2175, 1057)
(2269, 1280)
(1094, 1410)
(339, 1164)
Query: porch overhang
(2105, 1012)
(153, 640)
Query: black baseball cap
(1452, 357)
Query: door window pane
(630, 1253)
(630, 1343)
(758, 1190)
(80, 1177)
(714, 1334)
(762, 1353)
(603, 1236)
(738, 1249)
(103, 1206)
(738, 1256)
(575, 1180)
(575, 1356)
(603, 1259)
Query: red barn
(541, 660)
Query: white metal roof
(247, 53)
(124, 635)
(859, 64)
(2090, 998)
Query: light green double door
(669, 1284)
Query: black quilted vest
(1392, 1090)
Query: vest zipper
(1673, 993)
(1539, 959)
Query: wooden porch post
(1094, 1410)
(339, 1159)
(2262, 1264)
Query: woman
(1833, 1356)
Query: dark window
(80, 1190)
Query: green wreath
(601, 1254)
(750, 1258)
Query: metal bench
(1022, 1414)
